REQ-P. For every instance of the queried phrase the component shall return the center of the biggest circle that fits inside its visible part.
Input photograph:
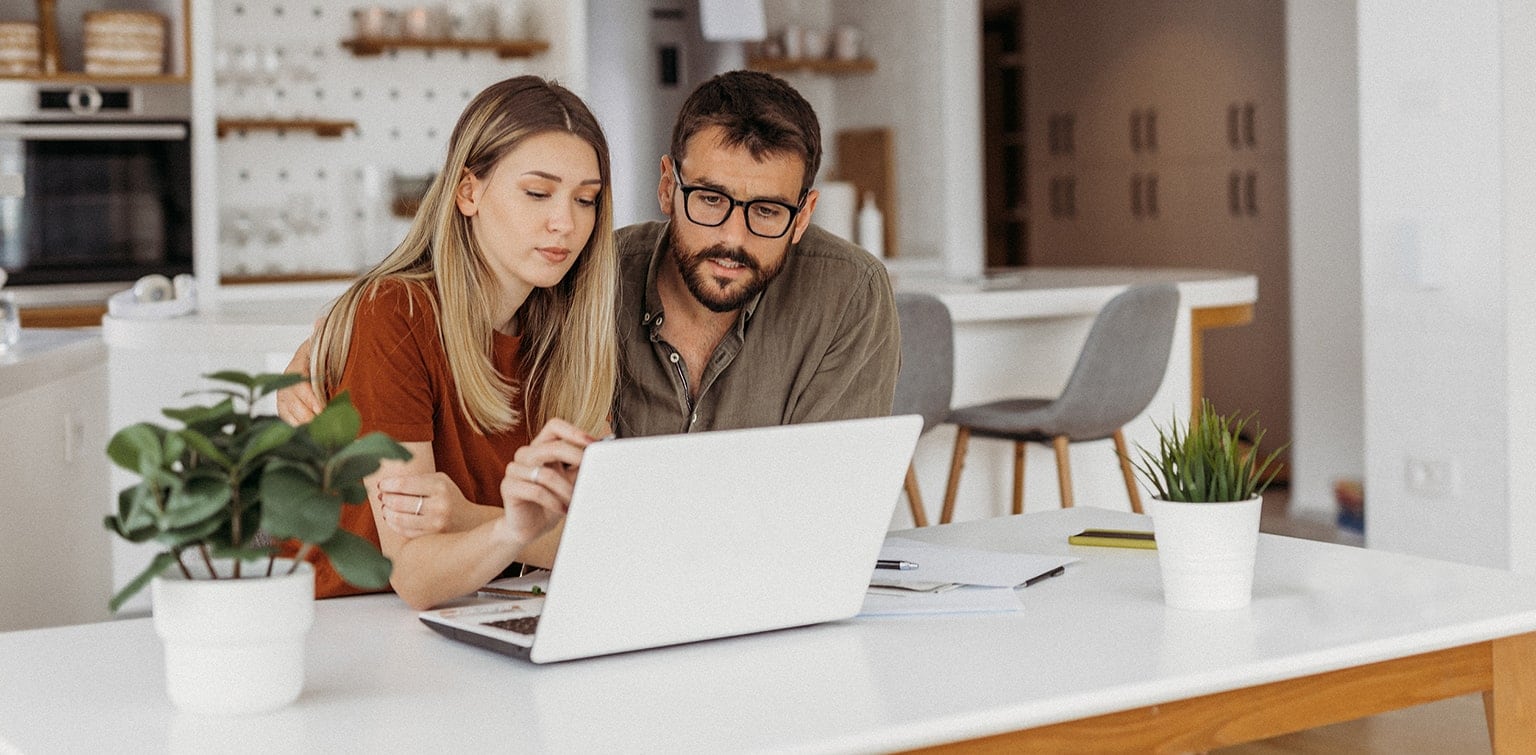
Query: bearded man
(736, 311)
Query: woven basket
(19, 49)
(124, 43)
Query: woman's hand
(298, 403)
(536, 491)
(422, 504)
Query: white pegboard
(291, 202)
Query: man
(736, 311)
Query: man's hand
(298, 403)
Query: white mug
(847, 42)
(814, 43)
(794, 41)
(375, 21)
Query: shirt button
(674, 357)
(659, 318)
(646, 318)
(694, 418)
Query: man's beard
(710, 290)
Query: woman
(494, 316)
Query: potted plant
(217, 494)
(1207, 486)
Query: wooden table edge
(1503, 669)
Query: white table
(1334, 632)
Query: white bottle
(10, 317)
(871, 226)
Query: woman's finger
(559, 429)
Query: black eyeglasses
(708, 207)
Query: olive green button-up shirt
(820, 343)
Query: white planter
(234, 646)
(1205, 552)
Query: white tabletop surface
(1095, 640)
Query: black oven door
(100, 201)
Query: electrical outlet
(1431, 478)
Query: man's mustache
(736, 254)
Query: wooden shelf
(813, 65)
(75, 77)
(321, 128)
(364, 47)
(247, 280)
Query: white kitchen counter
(43, 357)
(1038, 292)
(1017, 334)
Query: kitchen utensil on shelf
(20, 49)
(124, 43)
(375, 22)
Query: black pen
(1058, 571)
(901, 565)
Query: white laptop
(680, 538)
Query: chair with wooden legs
(927, 378)
(1118, 371)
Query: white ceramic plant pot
(234, 646)
(1205, 552)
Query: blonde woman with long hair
(493, 319)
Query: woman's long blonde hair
(569, 342)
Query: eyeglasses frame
(687, 190)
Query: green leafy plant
(230, 482)
(1206, 462)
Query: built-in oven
(105, 178)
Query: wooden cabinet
(1153, 142)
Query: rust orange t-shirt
(398, 377)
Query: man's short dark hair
(758, 111)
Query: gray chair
(927, 378)
(1119, 369)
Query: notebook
(681, 538)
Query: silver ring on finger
(419, 501)
(533, 476)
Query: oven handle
(93, 132)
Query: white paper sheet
(968, 566)
(963, 599)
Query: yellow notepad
(1114, 539)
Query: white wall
(928, 92)
(1436, 186)
(405, 105)
(1519, 147)
(619, 93)
(1327, 413)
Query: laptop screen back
(681, 538)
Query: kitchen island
(1016, 333)
(53, 549)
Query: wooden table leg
(1511, 704)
